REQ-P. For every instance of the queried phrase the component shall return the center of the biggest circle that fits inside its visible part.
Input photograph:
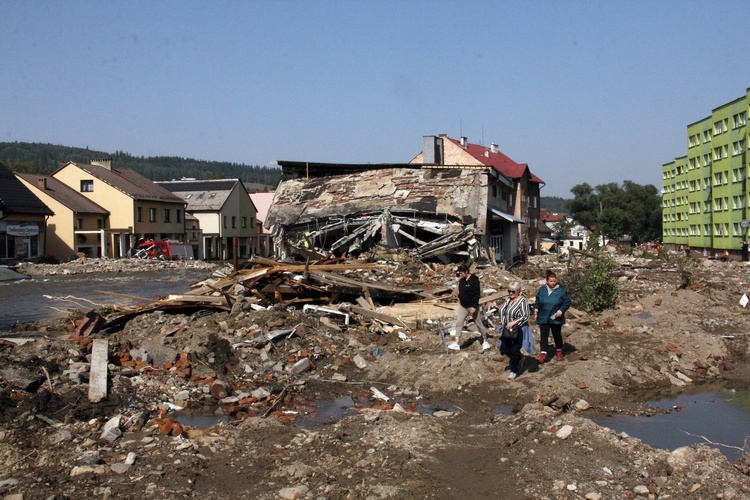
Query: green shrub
(593, 289)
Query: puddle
(721, 417)
(504, 409)
(325, 412)
(203, 417)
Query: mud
(663, 338)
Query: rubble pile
(331, 380)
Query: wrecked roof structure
(430, 211)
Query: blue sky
(582, 91)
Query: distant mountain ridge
(38, 158)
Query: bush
(593, 289)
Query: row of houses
(453, 200)
(98, 210)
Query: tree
(631, 209)
(561, 229)
(584, 207)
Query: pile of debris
(97, 405)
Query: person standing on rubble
(514, 314)
(552, 301)
(469, 291)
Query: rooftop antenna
(460, 127)
(482, 135)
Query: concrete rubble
(329, 379)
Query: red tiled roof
(498, 161)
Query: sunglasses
(512, 291)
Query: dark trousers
(544, 337)
(512, 349)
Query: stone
(61, 436)
(293, 492)
(130, 459)
(675, 381)
(301, 366)
(360, 362)
(111, 431)
(641, 490)
(442, 414)
(340, 377)
(87, 469)
(681, 457)
(182, 396)
(90, 457)
(582, 405)
(260, 393)
(120, 468)
(564, 432)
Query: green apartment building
(704, 194)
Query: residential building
(194, 234)
(705, 192)
(22, 220)
(521, 196)
(139, 209)
(225, 212)
(78, 224)
(262, 241)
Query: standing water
(42, 298)
(723, 418)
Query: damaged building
(446, 213)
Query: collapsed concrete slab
(439, 212)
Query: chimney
(494, 148)
(103, 162)
(41, 182)
(464, 141)
(432, 153)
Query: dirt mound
(405, 417)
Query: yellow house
(138, 208)
(78, 223)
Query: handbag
(512, 334)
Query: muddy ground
(678, 327)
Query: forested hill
(40, 158)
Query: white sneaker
(512, 376)
(453, 346)
(486, 345)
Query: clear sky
(582, 91)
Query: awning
(505, 216)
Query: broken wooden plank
(98, 371)
(210, 299)
(378, 315)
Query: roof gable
(497, 160)
(16, 198)
(202, 195)
(63, 194)
(127, 181)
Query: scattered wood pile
(368, 290)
